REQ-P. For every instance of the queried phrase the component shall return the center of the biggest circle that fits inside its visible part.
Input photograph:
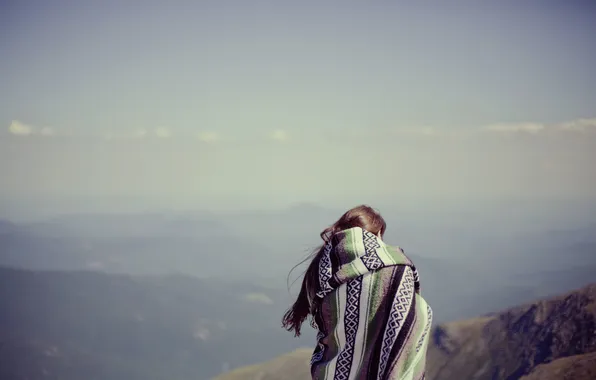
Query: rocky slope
(515, 343)
(549, 339)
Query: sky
(291, 101)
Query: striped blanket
(372, 321)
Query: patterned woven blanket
(372, 321)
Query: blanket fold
(372, 321)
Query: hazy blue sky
(297, 100)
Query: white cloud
(208, 137)
(258, 298)
(140, 133)
(417, 131)
(47, 131)
(515, 127)
(202, 333)
(579, 125)
(96, 265)
(280, 135)
(162, 132)
(20, 129)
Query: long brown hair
(362, 216)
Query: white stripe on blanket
(362, 327)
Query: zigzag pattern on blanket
(371, 260)
(352, 318)
(399, 311)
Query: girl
(364, 299)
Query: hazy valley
(149, 295)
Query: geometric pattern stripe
(371, 259)
(399, 311)
(429, 322)
(351, 321)
(325, 271)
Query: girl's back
(373, 323)
(364, 299)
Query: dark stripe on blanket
(379, 322)
(334, 282)
(335, 263)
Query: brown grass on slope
(577, 367)
(292, 366)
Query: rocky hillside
(539, 337)
(549, 339)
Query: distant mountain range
(467, 268)
(548, 339)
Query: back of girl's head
(362, 216)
